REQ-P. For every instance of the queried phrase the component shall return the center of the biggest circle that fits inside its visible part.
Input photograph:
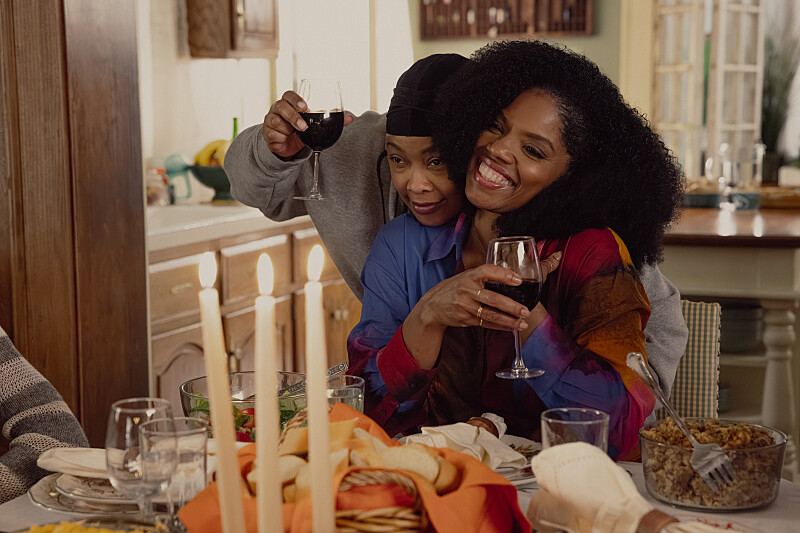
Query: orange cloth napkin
(484, 502)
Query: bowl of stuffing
(756, 453)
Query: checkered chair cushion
(696, 389)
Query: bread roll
(363, 434)
(339, 462)
(411, 458)
(448, 478)
(296, 440)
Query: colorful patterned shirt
(597, 312)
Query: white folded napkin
(474, 441)
(582, 490)
(84, 462)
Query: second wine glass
(325, 119)
(519, 255)
(133, 472)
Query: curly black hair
(620, 175)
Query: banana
(222, 150)
(204, 156)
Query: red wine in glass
(323, 130)
(325, 120)
(519, 255)
(526, 293)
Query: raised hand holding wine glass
(325, 119)
(132, 470)
(518, 254)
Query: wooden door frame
(73, 276)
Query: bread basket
(380, 520)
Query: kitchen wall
(185, 102)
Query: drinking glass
(519, 255)
(325, 119)
(189, 436)
(132, 472)
(575, 424)
(348, 390)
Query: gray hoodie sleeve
(354, 179)
(261, 179)
(666, 332)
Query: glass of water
(575, 424)
(348, 390)
(132, 470)
(190, 437)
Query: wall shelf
(473, 19)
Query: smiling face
(520, 155)
(421, 180)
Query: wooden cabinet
(177, 340)
(232, 28)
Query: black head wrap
(415, 94)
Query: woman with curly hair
(543, 145)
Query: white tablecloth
(783, 516)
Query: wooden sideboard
(176, 340)
(755, 255)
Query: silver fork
(710, 461)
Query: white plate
(89, 490)
(43, 494)
(526, 447)
(113, 524)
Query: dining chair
(696, 389)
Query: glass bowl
(291, 398)
(755, 451)
(194, 399)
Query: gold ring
(480, 324)
(478, 294)
(480, 310)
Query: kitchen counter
(177, 225)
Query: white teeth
(489, 174)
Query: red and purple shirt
(597, 312)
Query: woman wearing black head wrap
(268, 165)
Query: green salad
(244, 419)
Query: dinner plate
(526, 447)
(111, 523)
(89, 490)
(44, 494)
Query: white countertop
(177, 225)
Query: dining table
(782, 516)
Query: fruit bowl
(216, 178)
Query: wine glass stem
(315, 186)
(518, 363)
(145, 507)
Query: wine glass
(519, 255)
(189, 438)
(132, 471)
(325, 119)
